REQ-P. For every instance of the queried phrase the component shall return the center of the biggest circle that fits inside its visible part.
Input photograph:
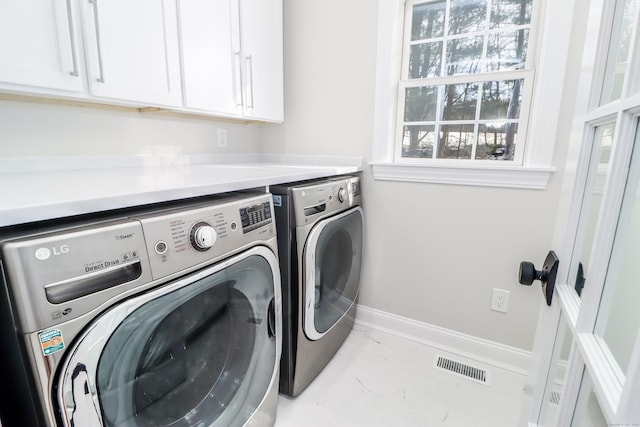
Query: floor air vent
(471, 372)
(555, 398)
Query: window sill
(527, 177)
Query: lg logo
(44, 253)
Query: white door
(132, 50)
(38, 44)
(587, 346)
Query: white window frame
(550, 50)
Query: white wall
(433, 252)
(45, 129)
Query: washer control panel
(342, 195)
(184, 238)
(66, 272)
(203, 236)
(255, 216)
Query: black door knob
(528, 273)
(547, 275)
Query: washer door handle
(271, 318)
(84, 412)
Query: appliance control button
(342, 195)
(161, 247)
(203, 236)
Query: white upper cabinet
(232, 60)
(212, 57)
(132, 50)
(210, 41)
(262, 59)
(38, 45)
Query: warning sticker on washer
(51, 341)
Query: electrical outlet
(222, 138)
(499, 300)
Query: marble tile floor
(381, 380)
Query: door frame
(580, 314)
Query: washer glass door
(333, 258)
(199, 351)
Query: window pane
(418, 141)
(507, 50)
(501, 99)
(555, 380)
(619, 318)
(420, 104)
(619, 52)
(505, 13)
(496, 141)
(456, 142)
(467, 16)
(466, 39)
(428, 20)
(460, 101)
(591, 204)
(425, 60)
(464, 55)
(588, 412)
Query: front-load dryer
(320, 233)
(165, 317)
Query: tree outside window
(464, 79)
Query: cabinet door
(210, 42)
(38, 44)
(132, 50)
(261, 23)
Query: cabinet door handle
(249, 63)
(237, 80)
(72, 41)
(96, 22)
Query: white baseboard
(485, 351)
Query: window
(459, 92)
(464, 79)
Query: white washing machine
(166, 317)
(320, 234)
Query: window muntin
(469, 105)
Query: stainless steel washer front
(161, 318)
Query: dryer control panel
(314, 201)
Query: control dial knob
(203, 236)
(342, 195)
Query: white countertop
(60, 190)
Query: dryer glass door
(333, 257)
(199, 351)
